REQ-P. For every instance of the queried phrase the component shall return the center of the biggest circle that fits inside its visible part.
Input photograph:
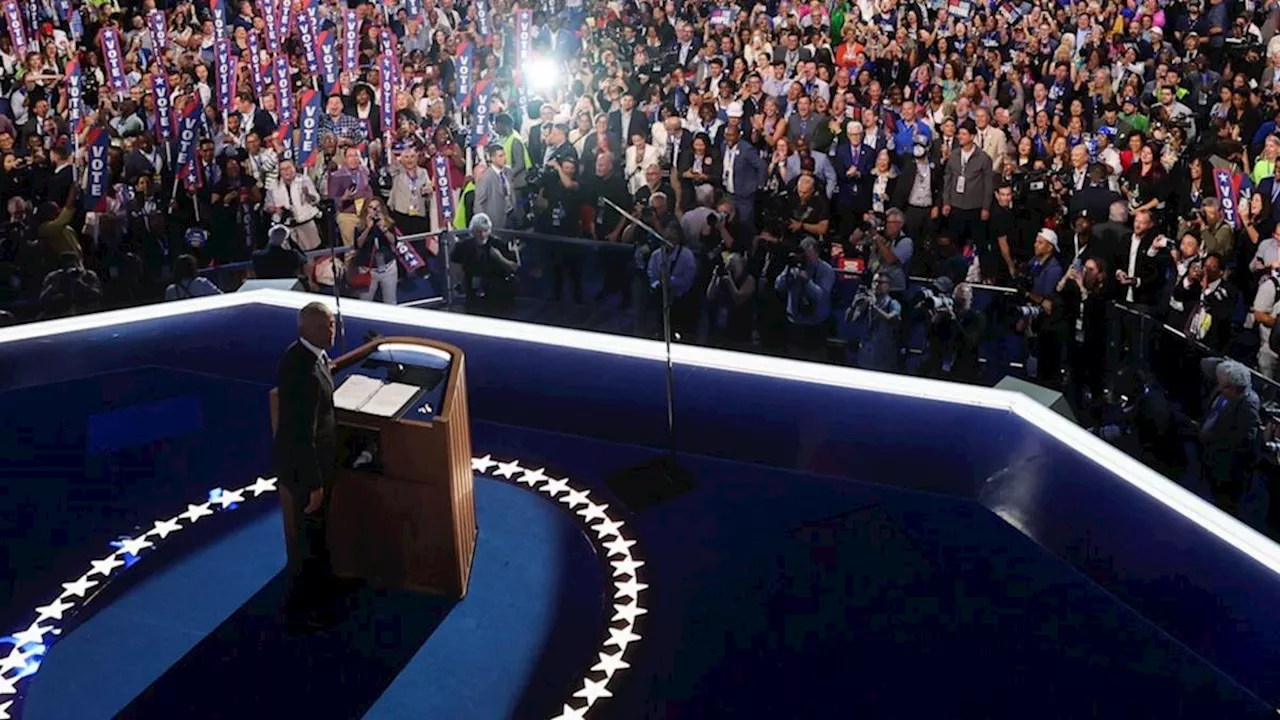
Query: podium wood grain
(413, 526)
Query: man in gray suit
(493, 189)
(744, 173)
(967, 188)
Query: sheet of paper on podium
(369, 395)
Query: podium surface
(402, 508)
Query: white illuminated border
(1170, 494)
(411, 349)
(27, 647)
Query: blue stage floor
(762, 601)
(772, 589)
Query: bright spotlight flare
(542, 74)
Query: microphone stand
(330, 211)
(637, 487)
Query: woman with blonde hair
(373, 264)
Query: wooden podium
(411, 523)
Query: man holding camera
(294, 202)
(1216, 236)
(806, 284)
(810, 213)
(891, 251)
(883, 314)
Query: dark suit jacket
(901, 194)
(638, 123)
(1228, 445)
(854, 192)
(263, 125)
(1146, 269)
(749, 171)
(306, 442)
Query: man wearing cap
(918, 190)
(1046, 271)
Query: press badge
(960, 185)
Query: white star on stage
(79, 587)
(195, 512)
(507, 469)
(54, 610)
(592, 691)
(105, 565)
(4, 710)
(573, 713)
(164, 527)
(627, 613)
(630, 589)
(625, 567)
(533, 477)
(594, 512)
(574, 498)
(261, 485)
(483, 464)
(133, 546)
(620, 546)
(610, 664)
(227, 497)
(608, 527)
(16, 659)
(555, 487)
(7, 688)
(621, 637)
(33, 634)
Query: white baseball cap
(1049, 236)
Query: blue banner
(327, 43)
(75, 94)
(307, 36)
(98, 181)
(284, 91)
(255, 64)
(189, 123)
(309, 144)
(480, 125)
(109, 39)
(444, 193)
(465, 56)
(164, 108)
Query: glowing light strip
(419, 349)
(1156, 486)
(31, 644)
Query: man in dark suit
(254, 117)
(626, 121)
(1136, 265)
(744, 174)
(1228, 434)
(305, 458)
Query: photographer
(559, 213)
(374, 257)
(293, 202)
(729, 296)
(806, 283)
(883, 314)
(1001, 250)
(810, 212)
(1082, 294)
(70, 290)
(1036, 314)
(489, 265)
(891, 251)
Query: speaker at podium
(402, 508)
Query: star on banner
(261, 485)
(4, 710)
(7, 688)
(195, 512)
(33, 634)
(592, 691)
(627, 613)
(483, 464)
(54, 610)
(626, 567)
(104, 566)
(164, 527)
(571, 713)
(630, 589)
(79, 587)
(610, 664)
(133, 546)
(227, 497)
(507, 469)
(621, 637)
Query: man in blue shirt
(680, 268)
(1045, 272)
(807, 288)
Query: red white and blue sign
(189, 123)
(98, 179)
(159, 33)
(309, 142)
(387, 91)
(109, 39)
(75, 93)
(327, 48)
(164, 108)
(255, 64)
(1232, 189)
(444, 193)
(225, 67)
(350, 41)
(284, 90)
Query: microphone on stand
(328, 208)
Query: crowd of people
(1085, 155)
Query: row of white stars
(626, 607)
(76, 592)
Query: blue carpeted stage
(854, 543)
